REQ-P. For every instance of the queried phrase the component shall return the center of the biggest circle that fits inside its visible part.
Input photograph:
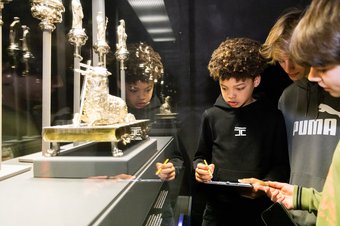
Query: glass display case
(70, 70)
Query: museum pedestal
(29, 200)
(75, 165)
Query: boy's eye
(133, 90)
(240, 88)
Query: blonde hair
(276, 45)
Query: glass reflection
(143, 69)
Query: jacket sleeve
(280, 168)
(306, 199)
(204, 148)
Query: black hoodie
(244, 142)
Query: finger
(276, 185)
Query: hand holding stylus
(204, 172)
(166, 170)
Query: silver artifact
(77, 35)
(102, 117)
(49, 12)
(101, 47)
(166, 107)
(14, 48)
(27, 56)
(121, 54)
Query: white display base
(10, 170)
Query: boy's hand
(204, 173)
(255, 192)
(167, 171)
(281, 192)
(276, 191)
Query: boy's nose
(141, 96)
(313, 75)
(289, 66)
(231, 95)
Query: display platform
(8, 170)
(79, 202)
(82, 163)
(114, 133)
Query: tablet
(231, 184)
(277, 215)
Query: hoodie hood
(221, 103)
(314, 96)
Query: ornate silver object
(27, 55)
(48, 11)
(102, 117)
(77, 35)
(166, 107)
(101, 47)
(14, 48)
(121, 132)
(98, 106)
(121, 53)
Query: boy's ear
(257, 81)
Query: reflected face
(139, 94)
(238, 93)
(293, 70)
(327, 77)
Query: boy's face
(238, 93)
(139, 94)
(328, 78)
(293, 70)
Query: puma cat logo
(328, 109)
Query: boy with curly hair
(144, 69)
(241, 136)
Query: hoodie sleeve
(306, 199)
(279, 168)
(204, 147)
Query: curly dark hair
(143, 64)
(237, 58)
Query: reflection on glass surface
(143, 70)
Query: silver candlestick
(121, 54)
(77, 37)
(101, 47)
(14, 48)
(27, 56)
(49, 12)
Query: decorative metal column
(122, 54)
(49, 12)
(77, 37)
(101, 47)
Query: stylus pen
(205, 162)
(160, 168)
